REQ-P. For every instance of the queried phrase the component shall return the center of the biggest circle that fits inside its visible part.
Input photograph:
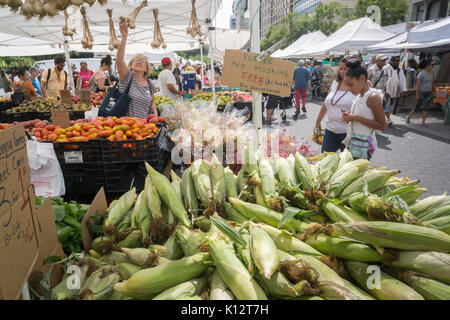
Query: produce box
(97, 208)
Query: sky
(223, 16)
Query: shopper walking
(24, 85)
(378, 77)
(339, 99)
(34, 73)
(424, 90)
(302, 82)
(168, 82)
(395, 86)
(84, 76)
(100, 80)
(371, 62)
(54, 79)
(366, 115)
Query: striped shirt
(141, 96)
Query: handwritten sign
(271, 76)
(61, 118)
(66, 96)
(84, 95)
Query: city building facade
(421, 10)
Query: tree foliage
(392, 11)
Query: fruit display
(294, 229)
(221, 99)
(160, 100)
(289, 145)
(5, 99)
(96, 98)
(111, 128)
(42, 105)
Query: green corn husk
(303, 170)
(158, 249)
(340, 213)
(442, 224)
(327, 167)
(433, 264)
(126, 270)
(271, 198)
(203, 223)
(333, 291)
(429, 203)
(241, 180)
(233, 214)
(189, 194)
(155, 206)
(100, 285)
(308, 298)
(440, 212)
(138, 256)
(278, 286)
(374, 179)
(394, 235)
(120, 208)
(325, 273)
(358, 202)
(429, 288)
(61, 291)
(202, 182)
(389, 289)
(185, 289)
(259, 195)
(264, 252)
(250, 166)
(231, 269)
(345, 176)
(174, 252)
(169, 195)
(132, 240)
(219, 290)
(230, 183)
(217, 175)
(148, 283)
(103, 244)
(412, 196)
(285, 173)
(245, 253)
(344, 248)
(117, 296)
(361, 294)
(126, 222)
(291, 161)
(176, 182)
(344, 158)
(190, 241)
(115, 257)
(286, 242)
(142, 215)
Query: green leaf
(288, 214)
(228, 230)
(59, 213)
(400, 191)
(53, 259)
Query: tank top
(334, 113)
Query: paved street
(420, 153)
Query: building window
(420, 12)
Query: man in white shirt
(167, 81)
(395, 85)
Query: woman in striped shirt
(141, 92)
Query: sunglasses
(139, 61)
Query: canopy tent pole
(201, 57)
(68, 64)
(255, 47)
(211, 56)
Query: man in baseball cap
(167, 81)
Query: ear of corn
(189, 193)
(115, 296)
(203, 223)
(304, 173)
(176, 182)
(147, 283)
(362, 295)
(291, 161)
(233, 214)
(103, 244)
(183, 290)
(115, 258)
(346, 175)
(327, 167)
(345, 157)
(388, 287)
(435, 213)
(307, 298)
(153, 199)
(271, 198)
(285, 173)
(202, 182)
(174, 251)
(259, 196)
(141, 216)
(61, 291)
(338, 213)
(244, 251)
(241, 181)
(120, 208)
(429, 203)
(219, 290)
(230, 183)
(169, 195)
(264, 252)
(100, 286)
(132, 240)
(189, 240)
(125, 223)
(218, 187)
(333, 291)
(374, 179)
(412, 196)
(126, 270)
(138, 256)
(278, 286)
(429, 288)
(395, 235)
(434, 264)
(442, 224)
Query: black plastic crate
(79, 152)
(83, 178)
(131, 151)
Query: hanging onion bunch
(194, 27)
(158, 39)
(113, 41)
(68, 29)
(130, 20)
(27, 9)
(88, 41)
(14, 4)
(3, 3)
(50, 8)
(62, 4)
(102, 2)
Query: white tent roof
(385, 46)
(277, 54)
(174, 17)
(303, 43)
(354, 35)
(435, 32)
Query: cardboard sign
(61, 118)
(66, 96)
(84, 95)
(97, 208)
(14, 169)
(270, 76)
(18, 245)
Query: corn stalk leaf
(400, 191)
(288, 214)
(228, 231)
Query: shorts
(272, 102)
(332, 142)
(425, 100)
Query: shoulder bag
(116, 103)
(361, 146)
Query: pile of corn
(324, 228)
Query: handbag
(18, 96)
(116, 103)
(361, 146)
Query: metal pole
(68, 64)
(201, 57)
(255, 47)
(211, 55)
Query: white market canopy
(174, 18)
(303, 43)
(354, 35)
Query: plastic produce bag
(91, 114)
(45, 171)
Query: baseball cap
(382, 57)
(166, 61)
